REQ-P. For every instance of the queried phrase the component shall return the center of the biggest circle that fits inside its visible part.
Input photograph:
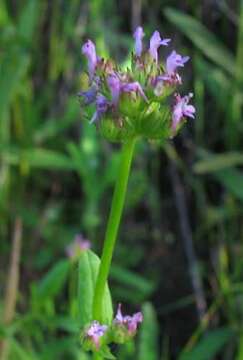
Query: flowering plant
(139, 102)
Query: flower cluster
(125, 327)
(97, 336)
(136, 101)
(93, 336)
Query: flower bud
(77, 247)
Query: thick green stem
(113, 226)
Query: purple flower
(155, 43)
(77, 246)
(182, 109)
(138, 36)
(88, 49)
(134, 87)
(102, 105)
(130, 322)
(114, 84)
(95, 332)
(88, 96)
(173, 79)
(175, 60)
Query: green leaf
(54, 126)
(53, 281)
(216, 80)
(4, 16)
(17, 351)
(105, 353)
(214, 163)
(27, 20)
(209, 345)
(206, 41)
(148, 341)
(130, 279)
(58, 349)
(232, 180)
(40, 158)
(13, 66)
(88, 271)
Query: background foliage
(180, 251)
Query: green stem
(113, 226)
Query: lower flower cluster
(96, 336)
(137, 101)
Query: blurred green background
(180, 252)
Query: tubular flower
(138, 36)
(182, 110)
(129, 323)
(114, 84)
(88, 49)
(155, 43)
(175, 60)
(136, 101)
(102, 105)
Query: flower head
(88, 49)
(77, 246)
(182, 109)
(155, 43)
(95, 332)
(138, 36)
(130, 323)
(135, 101)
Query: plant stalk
(113, 226)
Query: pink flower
(138, 36)
(117, 87)
(155, 43)
(95, 332)
(88, 49)
(182, 109)
(114, 84)
(130, 322)
(171, 77)
(166, 79)
(174, 61)
(102, 105)
(134, 87)
(77, 246)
